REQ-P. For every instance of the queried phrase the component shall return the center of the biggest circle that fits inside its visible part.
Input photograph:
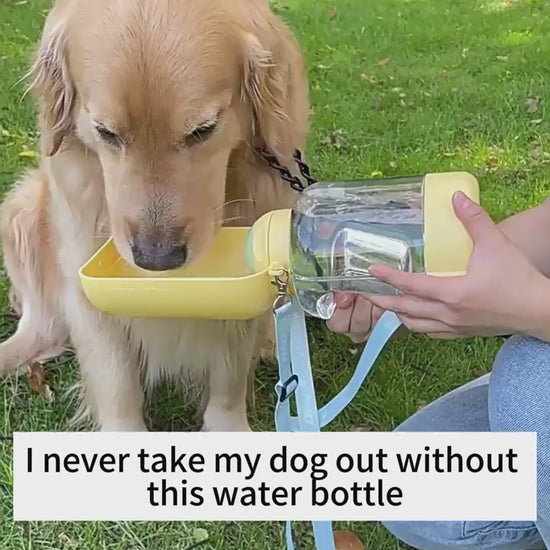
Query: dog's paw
(124, 426)
(229, 423)
(246, 429)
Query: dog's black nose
(157, 254)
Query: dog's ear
(275, 84)
(51, 82)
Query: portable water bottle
(325, 243)
(336, 231)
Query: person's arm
(516, 254)
(502, 293)
(529, 231)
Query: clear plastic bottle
(336, 231)
(339, 230)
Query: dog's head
(163, 92)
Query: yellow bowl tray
(199, 291)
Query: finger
(423, 286)
(362, 316)
(343, 301)
(444, 336)
(377, 312)
(410, 305)
(340, 320)
(476, 221)
(424, 326)
(361, 336)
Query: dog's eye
(108, 136)
(201, 133)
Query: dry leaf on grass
(29, 154)
(336, 139)
(370, 78)
(384, 62)
(537, 153)
(200, 535)
(65, 541)
(491, 163)
(532, 104)
(362, 428)
(346, 540)
(36, 377)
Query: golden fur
(150, 71)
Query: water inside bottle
(341, 229)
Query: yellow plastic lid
(447, 245)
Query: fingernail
(343, 300)
(371, 270)
(461, 199)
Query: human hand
(502, 292)
(355, 316)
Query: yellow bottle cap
(447, 245)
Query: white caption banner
(274, 476)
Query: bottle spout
(268, 242)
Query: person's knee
(428, 535)
(466, 535)
(519, 390)
(417, 534)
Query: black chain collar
(295, 182)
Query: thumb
(476, 221)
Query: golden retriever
(151, 115)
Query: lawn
(397, 87)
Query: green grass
(397, 87)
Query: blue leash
(296, 379)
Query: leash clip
(285, 392)
(280, 280)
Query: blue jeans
(515, 397)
